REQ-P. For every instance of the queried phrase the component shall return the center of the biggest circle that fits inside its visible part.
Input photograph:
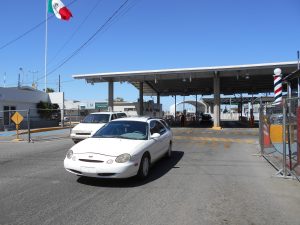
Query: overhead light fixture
(183, 80)
(155, 80)
(247, 77)
(190, 79)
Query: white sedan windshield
(124, 129)
(96, 118)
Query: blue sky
(156, 34)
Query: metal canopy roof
(251, 78)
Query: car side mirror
(155, 135)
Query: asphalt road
(214, 177)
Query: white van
(92, 123)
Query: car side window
(113, 116)
(121, 115)
(165, 124)
(161, 128)
(152, 127)
(157, 127)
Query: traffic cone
(267, 139)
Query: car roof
(138, 119)
(105, 112)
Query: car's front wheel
(169, 152)
(144, 167)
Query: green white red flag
(59, 9)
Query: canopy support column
(141, 99)
(175, 109)
(196, 110)
(110, 96)
(216, 101)
(158, 103)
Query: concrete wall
(57, 98)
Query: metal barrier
(280, 136)
(41, 124)
(35, 124)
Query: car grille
(91, 160)
(105, 174)
(83, 133)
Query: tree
(119, 99)
(50, 90)
(48, 110)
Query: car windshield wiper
(104, 136)
(110, 136)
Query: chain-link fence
(33, 124)
(40, 124)
(279, 136)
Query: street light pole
(33, 77)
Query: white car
(123, 148)
(92, 123)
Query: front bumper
(103, 169)
(78, 137)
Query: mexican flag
(59, 9)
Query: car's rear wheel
(144, 167)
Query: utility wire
(25, 33)
(91, 38)
(74, 33)
(129, 7)
(30, 30)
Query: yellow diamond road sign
(17, 118)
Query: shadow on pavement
(158, 170)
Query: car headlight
(123, 158)
(69, 154)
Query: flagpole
(46, 44)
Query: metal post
(298, 57)
(175, 109)
(70, 118)
(284, 139)
(261, 121)
(28, 125)
(158, 104)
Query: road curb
(44, 130)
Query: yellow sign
(17, 118)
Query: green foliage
(50, 90)
(48, 110)
(119, 99)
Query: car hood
(108, 146)
(90, 127)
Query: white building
(19, 99)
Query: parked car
(206, 117)
(278, 118)
(92, 123)
(123, 148)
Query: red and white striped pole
(277, 86)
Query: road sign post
(17, 118)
